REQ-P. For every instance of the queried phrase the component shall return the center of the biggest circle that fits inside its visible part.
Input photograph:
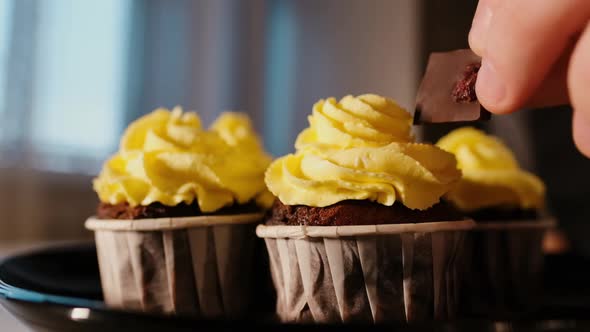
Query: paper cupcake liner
(377, 273)
(505, 267)
(186, 266)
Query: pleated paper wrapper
(376, 273)
(505, 268)
(193, 266)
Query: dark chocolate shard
(464, 90)
(447, 92)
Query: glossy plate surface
(58, 289)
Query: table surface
(10, 324)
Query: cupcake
(507, 204)
(358, 232)
(178, 205)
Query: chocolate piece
(353, 212)
(447, 91)
(158, 210)
(464, 91)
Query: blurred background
(74, 73)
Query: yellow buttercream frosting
(361, 148)
(491, 174)
(168, 157)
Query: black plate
(58, 289)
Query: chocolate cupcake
(507, 204)
(178, 206)
(358, 232)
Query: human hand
(535, 53)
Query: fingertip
(523, 43)
(578, 82)
(491, 89)
(474, 44)
(480, 26)
(581, 132)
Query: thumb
(578, 83)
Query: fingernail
(479, 28)
(489, 86)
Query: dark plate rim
(99, 313)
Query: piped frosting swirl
(491, 174)
(361, 148)
(168, 157)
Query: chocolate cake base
(355, 212)
(158, 210)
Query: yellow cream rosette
(168, 157)
(361, 148)
(491, 174)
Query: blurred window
(5, 25)
(63, 68)
(280, 75)
(79, 83)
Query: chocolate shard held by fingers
(447, 91)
